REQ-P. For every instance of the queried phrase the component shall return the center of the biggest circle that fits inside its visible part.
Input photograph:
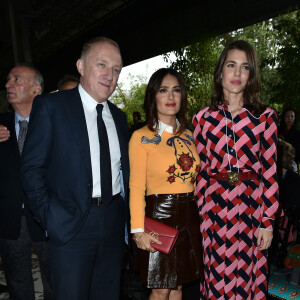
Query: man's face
(21, 87)
(100, 70)
(135, 119)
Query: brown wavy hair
(285, 156)
(150, 99)
(251, 93)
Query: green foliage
(196, 63)
(277, 43)
(288, 60)
(133, 99)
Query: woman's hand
(264, 239)
(143, 241)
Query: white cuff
(137, 230)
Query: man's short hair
(67, 78)
(100, 39)
(38, 77)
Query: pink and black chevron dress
(231, 215)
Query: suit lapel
(77, 120)
(13, 137)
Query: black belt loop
(99, 202)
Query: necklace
(233, 132)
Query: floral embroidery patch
(184, 159)
(185, 162)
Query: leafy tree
(196, 63)
(277, 43)
(133, 99)
(288, 60)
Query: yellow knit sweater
(166, 164)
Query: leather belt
(99, 202)
(234, 177)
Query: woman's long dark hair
(282, 125)
(251, 93)
(150, 106)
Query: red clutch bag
(167, 235)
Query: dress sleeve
(137, 181)
(269, 172)
(203, 177)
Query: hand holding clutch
(145, 241)
(163, 237)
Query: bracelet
(139, 237)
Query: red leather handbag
(167, 235)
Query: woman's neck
(235, 103)
(170, 120)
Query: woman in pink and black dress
(237, 187)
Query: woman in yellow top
(164, 164)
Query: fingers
(259, 238)
(151, 240)
(145, 241)
(264, 239)
(4, 134)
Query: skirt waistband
(181, 196)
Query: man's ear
(80, 66)
(36, 89)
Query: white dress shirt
(90, 112)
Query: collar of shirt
(19, 118)
(165, 127)
(89, 102)
(17, 126)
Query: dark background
(50, 33)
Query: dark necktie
(23, 126)
(105, 164)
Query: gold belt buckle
(233, 178)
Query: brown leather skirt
(185, 262)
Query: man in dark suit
(19, 231)
(72, 189)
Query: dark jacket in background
(12, 195)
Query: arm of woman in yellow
(137, 184)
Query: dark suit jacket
(12, 195)
(56, 167)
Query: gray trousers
(16, 261)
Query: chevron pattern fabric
(231, 215)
